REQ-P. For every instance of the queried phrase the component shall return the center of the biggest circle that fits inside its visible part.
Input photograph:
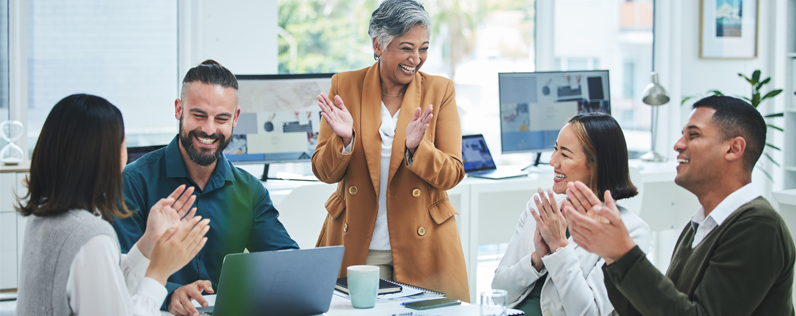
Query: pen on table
(403, 303)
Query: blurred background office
(134, 53)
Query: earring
(376, 57)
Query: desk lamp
(654, 95)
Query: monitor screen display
(475, 153)
(280, 118)
(535, 105)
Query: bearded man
(236, 202)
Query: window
(4, 98)
(123, 51)
(629, 79)
(471, 42)
(618, 34)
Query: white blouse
(574, 281)
(99, 284)
(381, 233)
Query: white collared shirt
(100, 284)
(381, 233)
(727, 206)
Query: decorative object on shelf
(755, 100)
(728, 28)
(654, 95)
(11, 131)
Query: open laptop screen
(476, 154)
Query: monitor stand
(265, 173)
(536, 163)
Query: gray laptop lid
(285, 282)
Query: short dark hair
(209, 72)
(606, 154)
(735, 117)
(76, 163)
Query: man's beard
(202, 157)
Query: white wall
(239, 34)
(683, 73)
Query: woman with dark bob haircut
(543, 269)
(71, 262)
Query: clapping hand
(337, 116)
(583, 200)
(178, 245)
(417, 128)
(604, 233)
(549, 221)
(165, 213)
(540, 249)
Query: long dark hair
(606, 154)
(77, 160)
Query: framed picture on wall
(728, 28)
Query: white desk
(787, 209)
(342, 307)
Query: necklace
(392, 96)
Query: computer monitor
(535, 105)
(279, 120)
(133, 153)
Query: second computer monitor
(535, 105)
(279, 120)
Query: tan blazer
(426, 248)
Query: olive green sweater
(742, 267)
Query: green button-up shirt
(238, 206)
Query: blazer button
(421, 231)
(345, 227)
(416, 192)
(353, 190)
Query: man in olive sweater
(735, 257)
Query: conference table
(342, 307)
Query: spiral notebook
(414, 288)
(406, 291)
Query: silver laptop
(285, 282)
(478, 161)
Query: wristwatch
(557, 249)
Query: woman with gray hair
(390, 137)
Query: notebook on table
(385, 287)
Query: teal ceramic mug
(363, 285)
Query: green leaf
(762, 83)
(747, 99)
(765, 172)
(772, 146)
(756, 77)
(755, 99)
(747, 79)
(771, 94)
(686, 99)
(772, 159)
(776, 127)
(715, 92)
(780, 114)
